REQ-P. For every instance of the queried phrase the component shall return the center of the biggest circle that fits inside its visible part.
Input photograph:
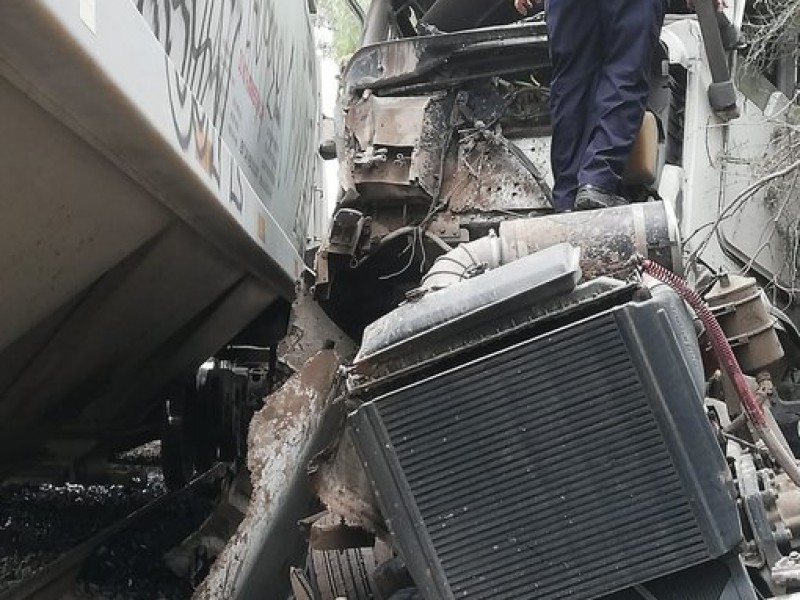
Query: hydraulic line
(729, 364)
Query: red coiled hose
(729, 364)
(717, 337)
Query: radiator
(571, 465)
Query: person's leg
(630, 32)
(575, 50)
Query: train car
(157, 175)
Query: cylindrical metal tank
(744, 316)
(608, 238)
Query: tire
(187, 444)
(343, 573)
(177, 447)
(205, 451)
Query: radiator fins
(556, 468)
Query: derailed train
(159, 185)
(538, 418)
(541, 405)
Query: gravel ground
(39, 522)
(131, 567)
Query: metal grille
(540, 472)
(702, 582)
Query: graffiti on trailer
(241, 72)
(198, 34)
(192, 126)
(285, 69)
(298, 158)
(236, 194)
(199, 38)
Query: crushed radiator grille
(541, 472)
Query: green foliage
(344, 25)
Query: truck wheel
(343, 573)
(177, 447)
(206, 445)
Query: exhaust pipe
(608, 239)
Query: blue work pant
(601, 52)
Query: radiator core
(570, 465)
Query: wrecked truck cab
(564, 452)
(441, 138)
(541, 430)
(419, 111)
(532, 413)
(530, 432)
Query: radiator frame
(669, 372)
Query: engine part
(771, 504)
(739, 306)
(343, 573)
(377, 22)
(787, 503)
(608, 238)
(786, 573)
(523, 283)
(755, 490)
(772, 437)
(477, 329)
(786, 410)
(526, 469)
(463, 262)
(345, 234)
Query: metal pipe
(721, 92)
(461, 262)
(378, 22)
(712, 39)
(608, 239)
(357, 11)
(786, 69)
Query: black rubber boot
(590, 197)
